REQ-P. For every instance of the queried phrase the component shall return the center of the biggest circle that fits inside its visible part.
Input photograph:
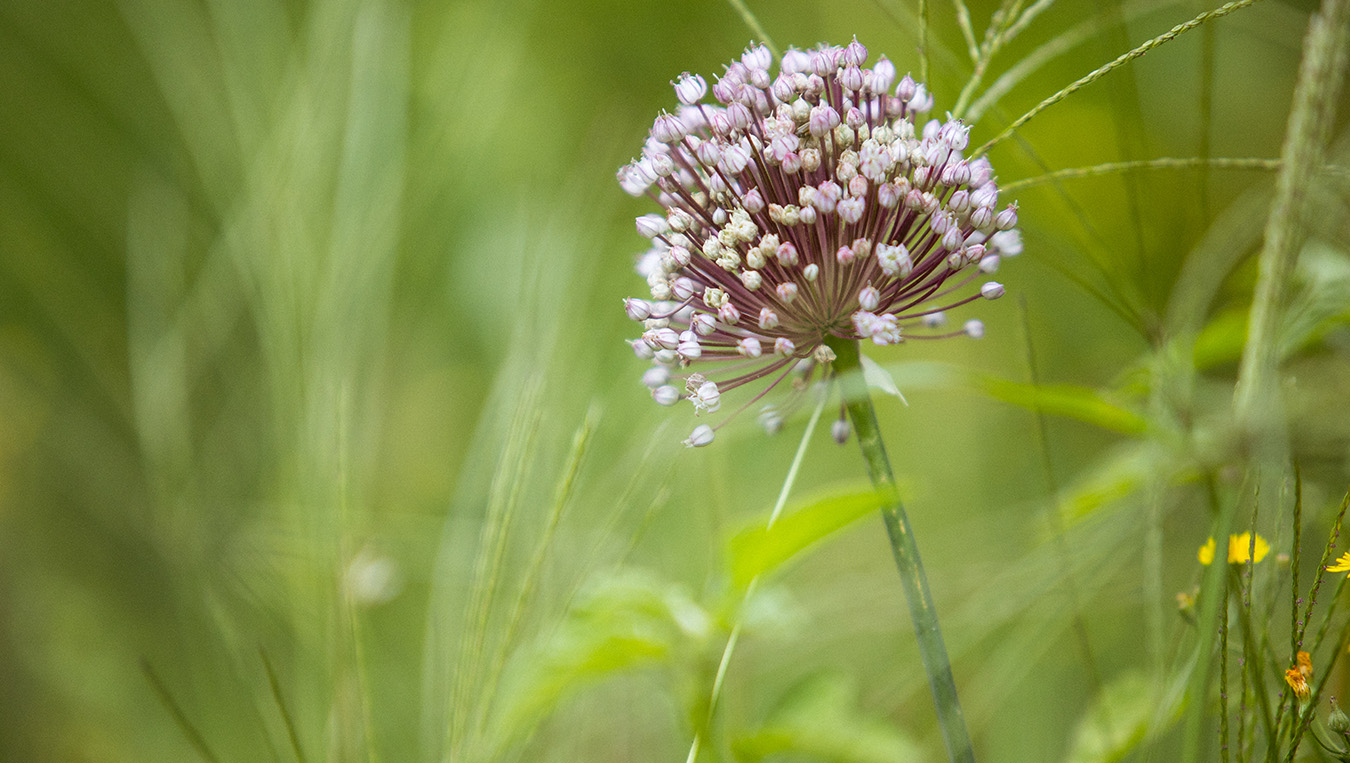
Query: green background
(303, 304)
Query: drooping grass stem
(932, 649)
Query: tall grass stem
(1314, 111)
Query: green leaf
(820, 718)
(1076, 402)
(759, 550)
(1113, 476)
(1116, 723)
(628, 620)
(1071, 401)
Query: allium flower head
(796, 206)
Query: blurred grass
(276, 279)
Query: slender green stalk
(923, 41)
(1123, 59)
(275, 685)
(193, 735)
(932, 650)
(1213, 606)
(756, 28)
(1162, 163)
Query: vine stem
(932, 649)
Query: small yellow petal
(1240, 548)
(1262, 548)
(1342, 564)
(1206, 552)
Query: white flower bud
(702, 435)
(637, 309)
(690, 88)
(869, 298)
(771, 420)
(690, 349)
(641, 349)
(666, 395)
(883, 75)
(652, 225)
(703, 324)
(668, 128)
(1008, 243)
(655, 376)
(991, 290)
(753, 201)
(663, 338)
(840, 430)
(683, 288)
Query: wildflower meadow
(860, 382)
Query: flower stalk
(932, 650)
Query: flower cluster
(811, 204)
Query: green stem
(848, 368)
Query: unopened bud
(840, 431)
(1338, 721)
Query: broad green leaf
(1116, 722)
(1324, 275)
(820, 719)
(1082, 403)
(627, 620)
(1115, 475)
(758, 550)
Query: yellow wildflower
(1206, 552)
(1342, 564)
(1239, 547)
(1241, 550)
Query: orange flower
(1298, 676)
(1304, 661)
(1298, 683)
